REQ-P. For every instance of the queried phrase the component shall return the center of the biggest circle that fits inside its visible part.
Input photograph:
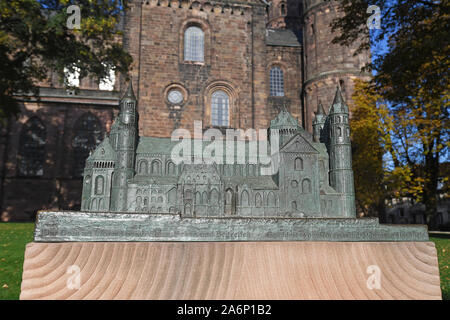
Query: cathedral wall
(48, 176)
(326, 65)
(285, 14)
(227, 65)
(236, 60)
(289, 60)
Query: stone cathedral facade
(129, 173)
(228, 64)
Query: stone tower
(325, 64)
(319, 123)
(340, 150)
(286, 125)
(285, 14)
(126, 128)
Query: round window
(175, 96)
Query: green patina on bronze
(127, 173)
(133, 190)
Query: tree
(35, 39)
(367, 150)
(412, 77)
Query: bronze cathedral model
(134, 191)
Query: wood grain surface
(230, 270)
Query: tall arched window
(251, 170)
(276, 82)
(229, 202)
(198, 198)
(88, 134)
(143, 167)
(298, 164)
(99, 185)
(220, 104)
(31, 153)
(194, 44)
(228, 196)
(245, 199)
(214, 197)
(258, 200)
(170, 168)
(271, 200)
(156, 167)
(283, 9)
(306, 186)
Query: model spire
(129, 94)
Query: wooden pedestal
(230, 270)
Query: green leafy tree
(35, 39)
(412, 77)
(368, 151)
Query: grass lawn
(14, 237)
(443, 251)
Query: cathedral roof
(284, 120)
(283, 38)
(255, 183)
(104, 152)
(164, 146)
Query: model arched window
(198, 198)
(156, 167)
(170, 168)
(220, 105)
(214, 197)
(251, 170)
(31, 153)
(143, 167)
(271, 200)
(194, 44)
(298, 164)
(306, 186)
(276, 82)
(99, 185)
(229, 196)
(258, 200)
(88, 134)
(245, 198)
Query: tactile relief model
(134, 191)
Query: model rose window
(220, 103)
(194, 40)
(276, 82)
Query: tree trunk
(431, 174)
